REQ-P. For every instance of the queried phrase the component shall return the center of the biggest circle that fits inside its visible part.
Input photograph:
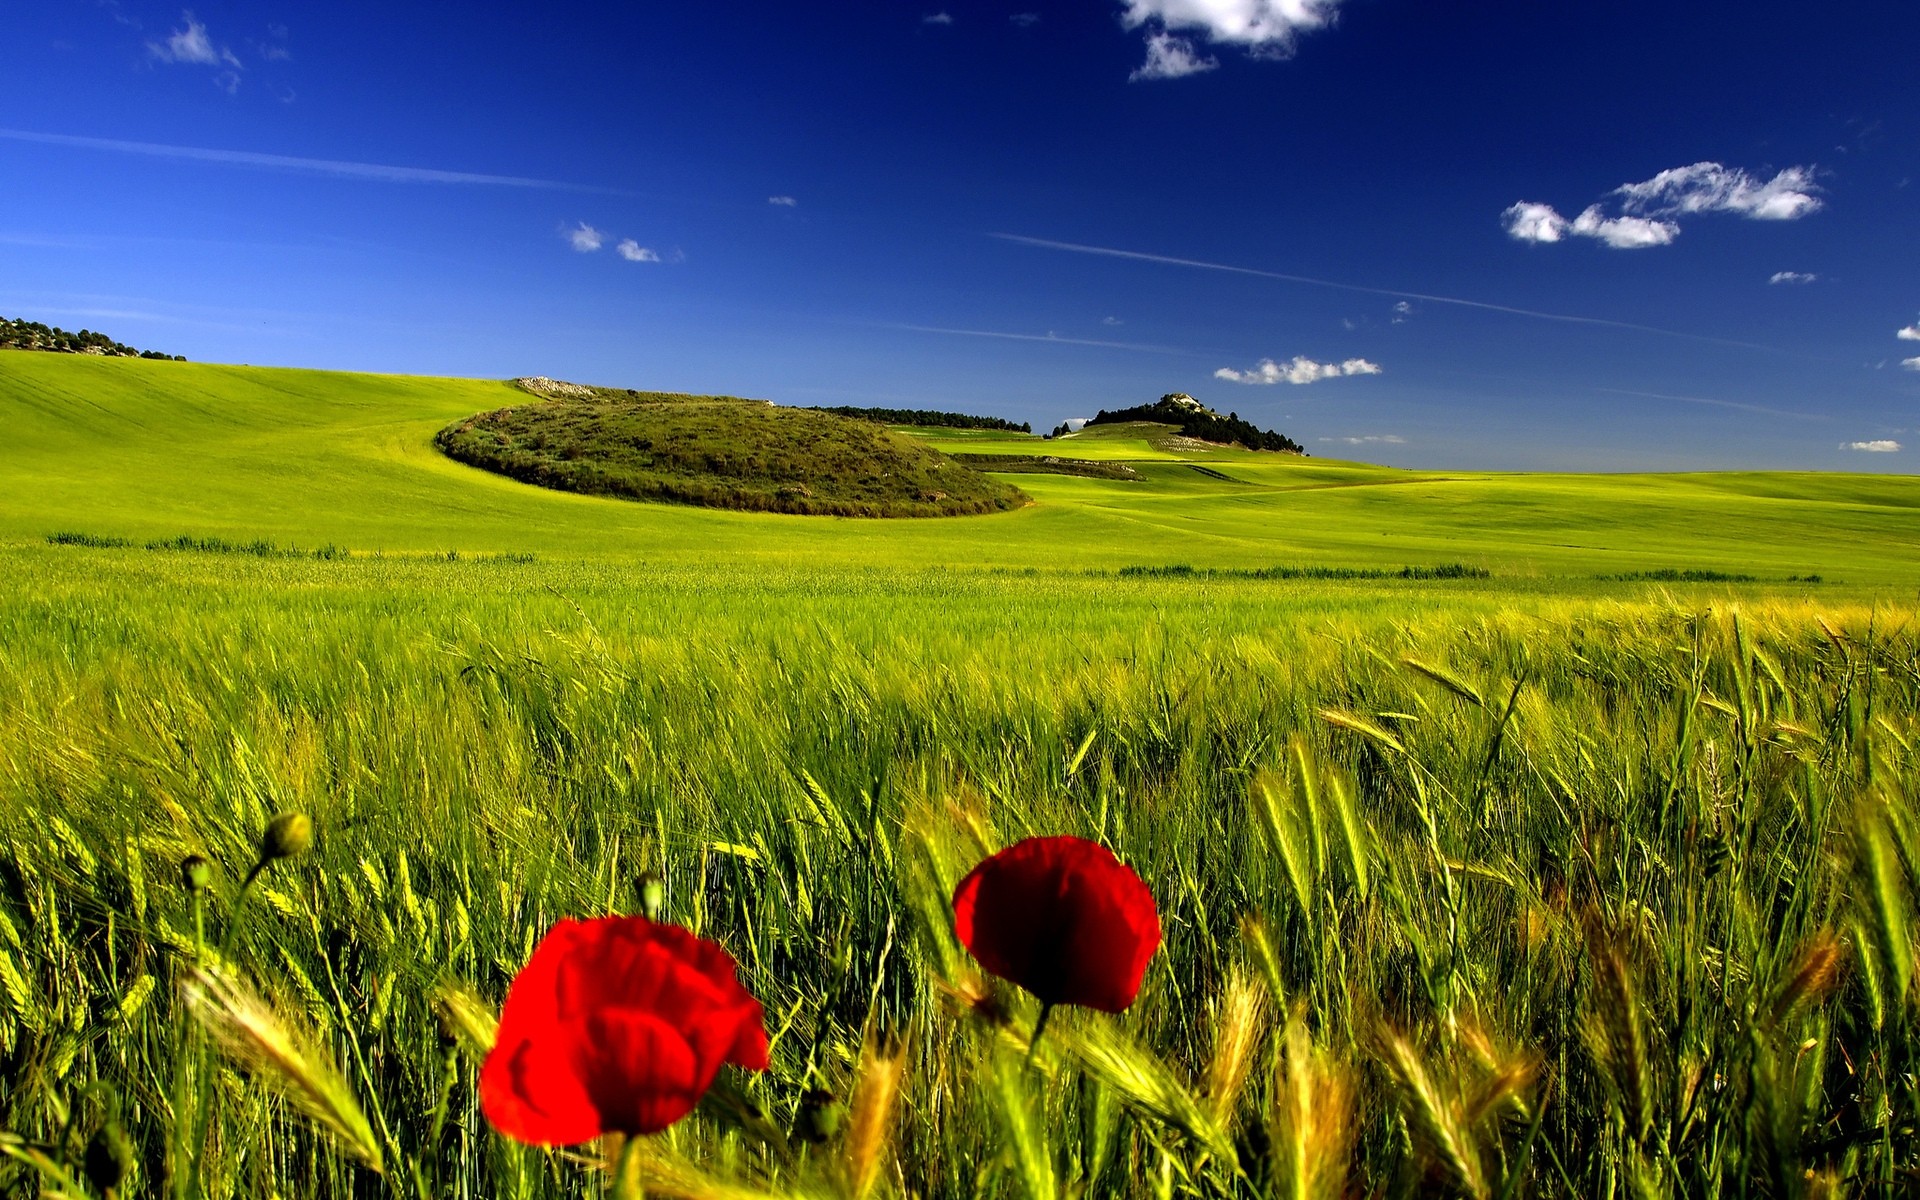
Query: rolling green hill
(723, 453)
(145, 450)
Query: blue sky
(1506, 234)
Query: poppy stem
(1039, 1026)
(626, 1173)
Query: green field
(1531, 884)
(156, 450)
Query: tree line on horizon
(32, 335)
(926, 418)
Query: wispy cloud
(1264, 28)
(1203, 265)
(375, 172)
(783, 201)
(1707, 187)
(274, 47)
(1025, 20)
(1301, 370)
(583, 237)
(1402, 311)
(1878, 446)
(939, 18)
(1792, 277)
(1111, 321)
(1051, 338)
(633, 251)
(1171, 57)
(1390, 439)
(1645, 214)
(191, 45)
(1911, 364)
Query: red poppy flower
(616, 1024)
(1061, 917)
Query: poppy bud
(195, 873)
(818, 1117)
(288, 835)
(109, 1158)
(653, 893)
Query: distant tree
(32, 335)
(1195, 420)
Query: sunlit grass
(1555, 895)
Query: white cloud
(1792, 277)
(1646, 210)
(783, 201)
(1268, 27)
(1623, 233)
(583, 237)
(633, 251)
(1882, 446)
(1402, 311)
(1530, 222)
(1025, 20)
(192, 45)
(1170, 57)
(1075, 424)
(1301, 370)
(1390, 439)
(1911, 364)
(1910, 334)
(1111, 321)
(1710, 187)
(939, 18)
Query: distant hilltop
(32, 335)
(1195, 420)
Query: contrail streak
(1201, 264)
(1039, 337)
(1752, 408)
(376, 172)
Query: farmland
(1523, 881)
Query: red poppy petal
(641, 1073)
(749, 1048)
(1006, 914)
(616, 1024)
(531, 1093)
(1112, 941)
(1061, 917)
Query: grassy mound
(721, 452)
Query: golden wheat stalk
(1310, 1120)
(1816, 971)
(465, 1017)
(1440, 1131)
(1242, 1023)
(247, 1030)
(876, 1101)
(1616, 1030)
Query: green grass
(1523, 884)
(1553, 943)
(149, 450)
(723, 454)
